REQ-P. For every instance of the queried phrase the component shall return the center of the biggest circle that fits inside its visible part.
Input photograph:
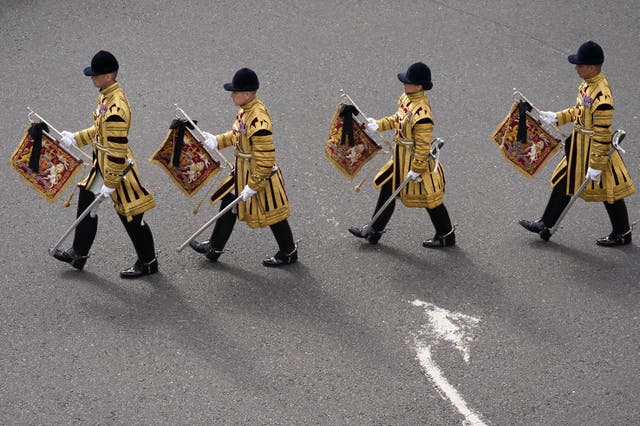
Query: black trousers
(138, 231)
(224, 227)
(558, 200)
(439, 215)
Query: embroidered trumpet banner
(184, 159)
(348, 147)
(43, 164)
(523, 142)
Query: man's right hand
(210, 141)
(548, 117)
(68, 140)
(372, 125)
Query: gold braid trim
(601, 139)
(263, 160)
(422, 137)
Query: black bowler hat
(589, 53)
(103, 62)
(417, 73)
(244, 80)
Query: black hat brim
(575, 60)
(403, 78)
(89, 72)
(230, 88)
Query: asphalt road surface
(502, 329)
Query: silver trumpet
(54, 134)
(518, 96)
(348, 98)
(197, 133)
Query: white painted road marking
(452, 327)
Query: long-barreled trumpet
(53, 133)
(348, 98)
(197, 133)
(344, 95)
(518, 96)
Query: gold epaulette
(118, 107)
(258, 119)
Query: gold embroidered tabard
(251, 136)
(413, 126)
(109, 136)
(589, 144)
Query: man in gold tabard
(413, 126)
(113, 174)
(256, 177)
(586, 153)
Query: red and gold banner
(44, 165)
(523, 141)
(185, 160)
(348, 147)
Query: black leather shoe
(613, 240)
(206, 249)
(213, 254)
(202, 247)
(70, 256)
(370, 235)
(532, 225)
(441, 241)
(537, 227)
(140, 269)
(281, 258)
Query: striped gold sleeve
(85, 137)
(225, 139)
(264, 156)
(422, 138)
(566, 116)
(116, 143)
(601, 139)
(386, 123)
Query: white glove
(593, 174)
(372, 126)
(413, 175)
(247, 193)
(67, 139)
(210, 141)
(106, 192)
(548, 117)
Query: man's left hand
(413, 175)
(106, 192)
(593, 174)
(247, 193)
